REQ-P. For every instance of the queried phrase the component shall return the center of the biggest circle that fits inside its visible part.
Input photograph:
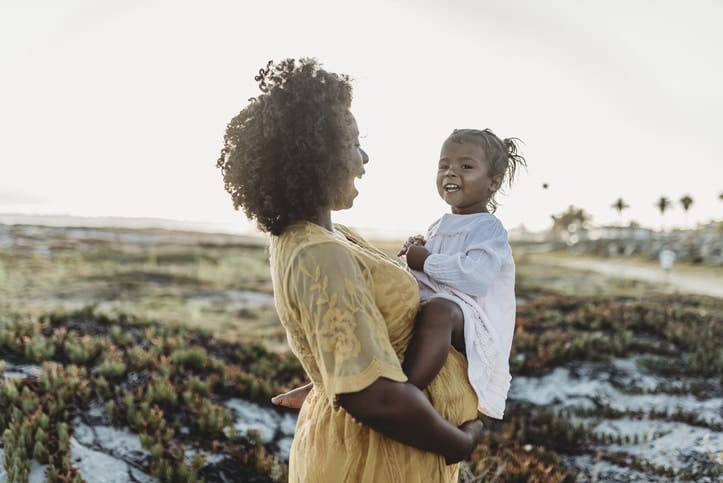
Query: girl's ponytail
(514, 160)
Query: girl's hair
(500, 153)
(280, 155)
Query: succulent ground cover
(165, 383)
(657, 362)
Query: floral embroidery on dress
(335, 324)
(336, 333)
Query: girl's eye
(466, 166)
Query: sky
(114, 108)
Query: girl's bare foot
(292, 399)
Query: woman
(289, 159)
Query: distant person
(465, 270)
(667, 259)
(289, 159)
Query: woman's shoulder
(366, 250)
(350, 233)
(308, 244)
(300, 235)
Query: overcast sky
(119, 107)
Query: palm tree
(570, 222)
(686, 201)
(663, 204)
(619, 206)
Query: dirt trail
(680, 279)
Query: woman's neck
(323, 219)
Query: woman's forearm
(401, 412)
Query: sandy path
(681, 279)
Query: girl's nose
(365, 156)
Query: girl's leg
(294, 398)
(439, 325)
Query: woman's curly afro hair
(281, 154)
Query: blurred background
(119, 108)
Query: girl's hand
(294, 398)
(412, 241)
(416, 256)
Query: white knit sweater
(471, 263)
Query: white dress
(471, 264)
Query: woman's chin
(345, 205)
(346, 202)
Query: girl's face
(354, 159)
(464, 180)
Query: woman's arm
(401, 412)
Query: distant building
(616, 232)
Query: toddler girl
(465, 270)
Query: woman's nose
(365, 156)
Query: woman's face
(354, 159)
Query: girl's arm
(472, 271)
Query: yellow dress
(348, 310)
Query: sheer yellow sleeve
(346, 333)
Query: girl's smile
(463, 178)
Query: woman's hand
(416, 255)
(294, 398)
(473, 430)
(412, 241)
